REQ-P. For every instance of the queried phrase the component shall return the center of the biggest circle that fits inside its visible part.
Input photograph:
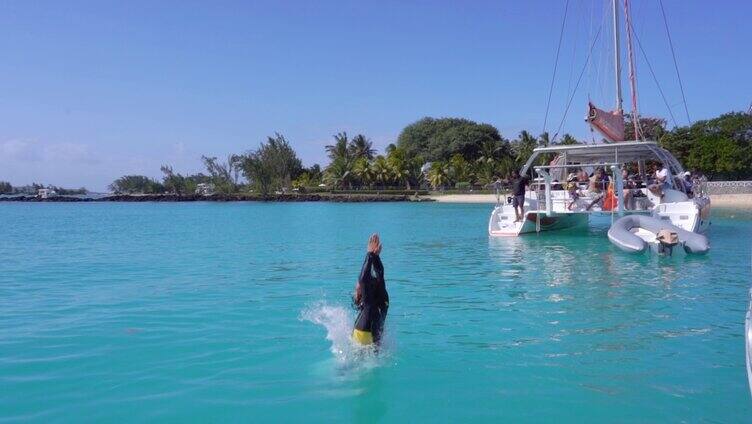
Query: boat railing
(544, 172)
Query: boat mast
(632, 72)
(617, 59)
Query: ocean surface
(196, 312)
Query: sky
(90, 91)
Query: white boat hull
(688, 214)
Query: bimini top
(618, 152)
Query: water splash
(338, 322)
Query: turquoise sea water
(240, 312)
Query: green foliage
(363, 172)
(438, 175)
(172, 182)
(721, 147)
(381, 171)
(405, 171)
(352, 162)
(136, 184)
(68, 191)
(6, 188)
(338, 173)
(462, 154)
(339, 150)
(463, 185)
(495, 160)
(361, 147)
(652, 128)
(272, 166)
(309, 177)
(438, 139)
(568, 140)
(192, 182)
(224, 175)
(459, 169)
(523, 147)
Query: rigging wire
(556, 65)
(676, 66)
(576, 86)
(650, 67)
(574, 54)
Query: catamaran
(552, 203)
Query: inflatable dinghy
(637, 233)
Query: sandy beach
(743, 201)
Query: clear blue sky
(90, 91)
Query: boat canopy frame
(620, 152)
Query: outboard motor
(667, 239)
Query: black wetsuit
(374, 300)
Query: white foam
(338, 322)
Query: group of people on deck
(598, 187)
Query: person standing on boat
(519, 183)
(371, 297)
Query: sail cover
(610, 124)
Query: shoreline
(739, 201)
(170, 198)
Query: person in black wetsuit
(371, 298)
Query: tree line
(33, 189)
(440, 153)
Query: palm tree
(361, 147)
(338, 150)
(438, 175)
(381, 171)
(568, 139)
(338, 173)
(399, 166)
(544, 140)
(524, 146)
(459, 169)
(485, 165)
(363, 171)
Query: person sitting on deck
(582, 176)
(572, 188)
(661, 180)
(688, 186)
(630, 189)
(596, 187)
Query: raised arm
(365, 270)
(363, 278)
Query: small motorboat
(639, 233)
